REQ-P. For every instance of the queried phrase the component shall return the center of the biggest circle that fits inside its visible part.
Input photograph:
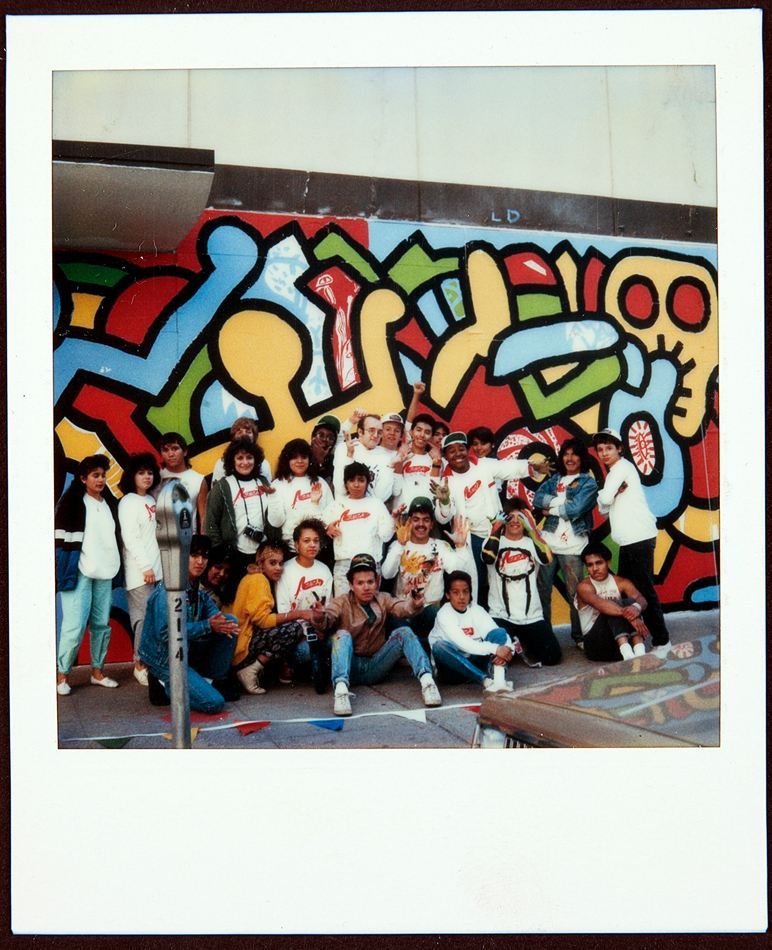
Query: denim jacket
(581, 495)
(154, 648)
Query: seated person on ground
(420, 561)
(306, 581)
(215, 579)
(361, 653)
(466, 643)
(265, 633)
(211, 638)
(610, 610)
(514, 553)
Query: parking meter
(174, 529)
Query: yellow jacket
(253, 607)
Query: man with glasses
(365, 448)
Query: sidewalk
(388, 716)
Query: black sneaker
(227, 690)
(156, 692)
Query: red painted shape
(688, 304)
(474, 709)
(639, 301)
(592, 275)
(196, 717)
(340, 291)
(119, 650)
(116, 411)
(413, 336)
(704, 457)
(138, 306)
(687, 567)
(246, 727)
(528, 267)
(493, 406)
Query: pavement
(390, 715)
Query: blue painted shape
(286, 263)
(430, 309)
(234, 254)
(706, 595)
(635, 366)
(664, 497)
(334, 725)
(523, 348)
(412, 371)
(220, 409)
(57, 306)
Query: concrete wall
(642, 132)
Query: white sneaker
(140, 675)
(342, 705)
(639, 650)
(662, 650)
(105, 681)
(489, 686)
(431, 695)
(63, 688)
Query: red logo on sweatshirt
(308, 585)
(512, 557)
(469, 631)
(471, 489)
(150, 511)
(354, 515)
(299, 496)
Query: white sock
(210, 681)
(626, 650)
(498, 675)
(341, 687)
(426, 679)
(639, 650)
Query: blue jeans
(453, 666)
(421, 624)
(368, 670)
(572, 567)
(89, 603)
(482, 570)
(208, 656)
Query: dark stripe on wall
(283, 191)
(145, 156)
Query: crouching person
(211, 639)
(264, 633)
(610, 610)
(466, 643)
(360, 651)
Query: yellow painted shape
(551, 374)
(568, 270)
(490, 307)
(84, 308)
(263, 353)
(193, 734)
(588, 419)
(560, 611)
(79, 443)
(661, 550)
(205, 462)
(699, 524)
(701, 347)
(657, 715)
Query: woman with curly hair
(236, 507)
(299, 492)
(567, 499)
(141, 555)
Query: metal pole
(178, 668)
(174, 522)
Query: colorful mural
(540, 336)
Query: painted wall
(538, 335)
(644, 132)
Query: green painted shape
(336, 246)
(114, 743)
(451, 290)
(97, 274)
(530, 306)
(175, 415)
(415, 267)
(601, 374)
(602, 686)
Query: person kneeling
(360, 651)
(211, 638)
(610, 610)
(466, 643)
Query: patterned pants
(274, 642)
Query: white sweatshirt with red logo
(365, 525)
(465, 629)
(473, 493)
(298, 585)
(292, 503)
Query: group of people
(378, 538)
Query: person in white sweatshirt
(140, 552)
(465, 642)
(299, 491)
(633, 528)
(358, 523)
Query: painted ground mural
(537, 335)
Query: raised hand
(402, 527)
(350, 444)
(441, 491)
(333, 529)
(316, 492)
(461, 528)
